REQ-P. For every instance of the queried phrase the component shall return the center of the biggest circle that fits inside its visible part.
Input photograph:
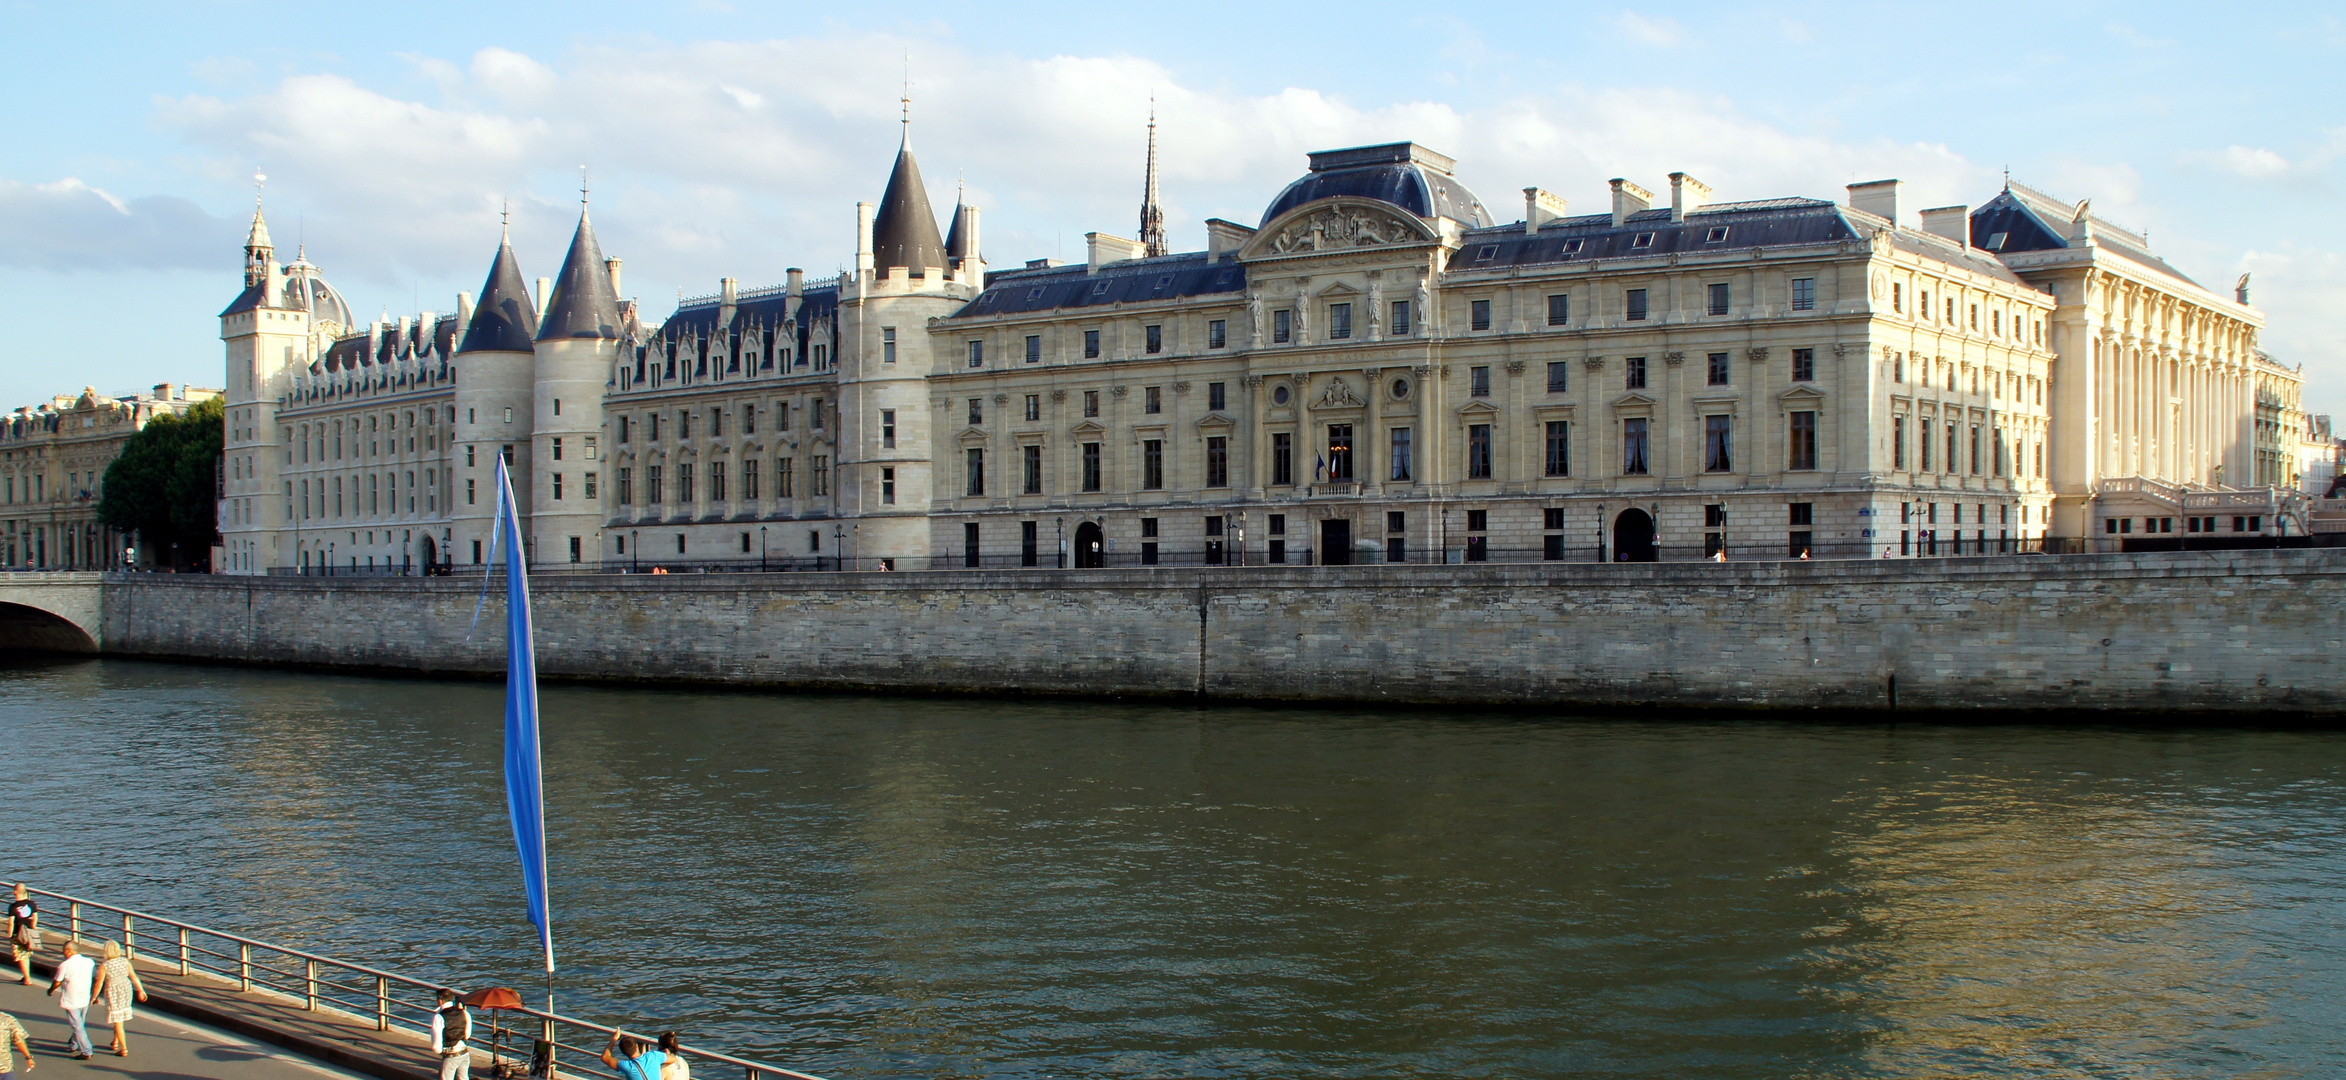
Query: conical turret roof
(583, 305)
(905, 231)
(504, 320)
(258, 238)
(956, 237)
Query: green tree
(165, 486)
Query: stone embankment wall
(2230, 630)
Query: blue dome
(1404, 174)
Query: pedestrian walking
(633, 1060)
(72, 987)
(673, 1066)
(12, 1043)
(451, 1026)
(117, 981)
(24, 933)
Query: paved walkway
(162, 1046)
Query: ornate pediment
(1215, 420)
(1478, 410)
(1803, 394)
(1635, 399)
(1338, 395)
(1088, 427)
(972, 434)
(1337, 225)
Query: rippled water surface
(870, 887)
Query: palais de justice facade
(1376, 370)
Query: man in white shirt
(72, 987)
(451, 1025)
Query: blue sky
(734, 139)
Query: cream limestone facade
(1377, 370)
(53, 460)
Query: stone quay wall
(2247, 631)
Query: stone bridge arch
(50, 613)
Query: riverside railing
(383, 999)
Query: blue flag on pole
(524, 783)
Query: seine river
(876, 887)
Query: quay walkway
(224, 1006)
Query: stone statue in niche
(1425, 306)
(1376, 305)
(1254, 314)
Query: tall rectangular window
(1559, 458)
(1282, 326)
(1282, 458)
(969, 544)
(1924, 439)
(976, 470)
(1804, 294)
(1975, 449)
(1026, 543)
(652, 490)
(887, 344)
(1153, 338)
(684, 487)
(1718, 442)
(1803, 436)
(1400, 318)
(1478, 451)
(1152, 400)
(1152, 464)
(1339, 321)
(1091, 403)
(820, 476)
(1034, 407)
(1478, 314)
(1091, 344)
(1217, 334)
(1804, 365)
(1402, 466)
(977, 411)
(888, 485)
(1559, 309)
(1478, 381)
(627, 487)
(785, 477)
(1217, 396)
(1951, 443)
(1339, 452)
(1217, 461)
(977, 354)
(1559, 376)
(1720, 370)
(1031, 468)
(749, 480)
(716, 481)
(1633, 373)
(1898, 442)
(1634, 305)
(1034, 348)
(888, 429)
(1718, 298)
(1633, 437)
(1091, 466)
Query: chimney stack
(1224, 238)
(545, 296)
(612, 267)
(1104, 249)
(1876, 197)
(1540, 207)
(1952, 222)
(863, 237)
(793, 289)
(463, 313)
(1628, 199)
(1687, 194)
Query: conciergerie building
(1377, 369)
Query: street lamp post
(761, 549)
(635, 551)
(838, 548)
(1062, 525)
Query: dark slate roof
(759, 310)
(583, 305)
(905, 231)
(2030, 220)
(504, 319)
(1166, 277)
(957, 245)
(1758, 223)
(1405, 174)
(253, 296)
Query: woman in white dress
(117, 982)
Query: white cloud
(2297, 288)
(1663, 31)
(741, 159)
(70, 226)
(2136, 38)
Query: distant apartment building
(53, 460)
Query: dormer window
(1717, 235)
(1164, 280)
(1034, 294)
(1100, 289)
(1487, 252)
(1996, 241)
(1642, 240)
(1572, 247)
(1224, 279)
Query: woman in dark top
(24, 932)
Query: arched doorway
(1091, 547)
(430, 552)
(1633, 536)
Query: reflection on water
(895, 888)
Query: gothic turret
(258, 254)
(905, 231)
(584, 304)
(504, 319)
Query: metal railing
(368, 995)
